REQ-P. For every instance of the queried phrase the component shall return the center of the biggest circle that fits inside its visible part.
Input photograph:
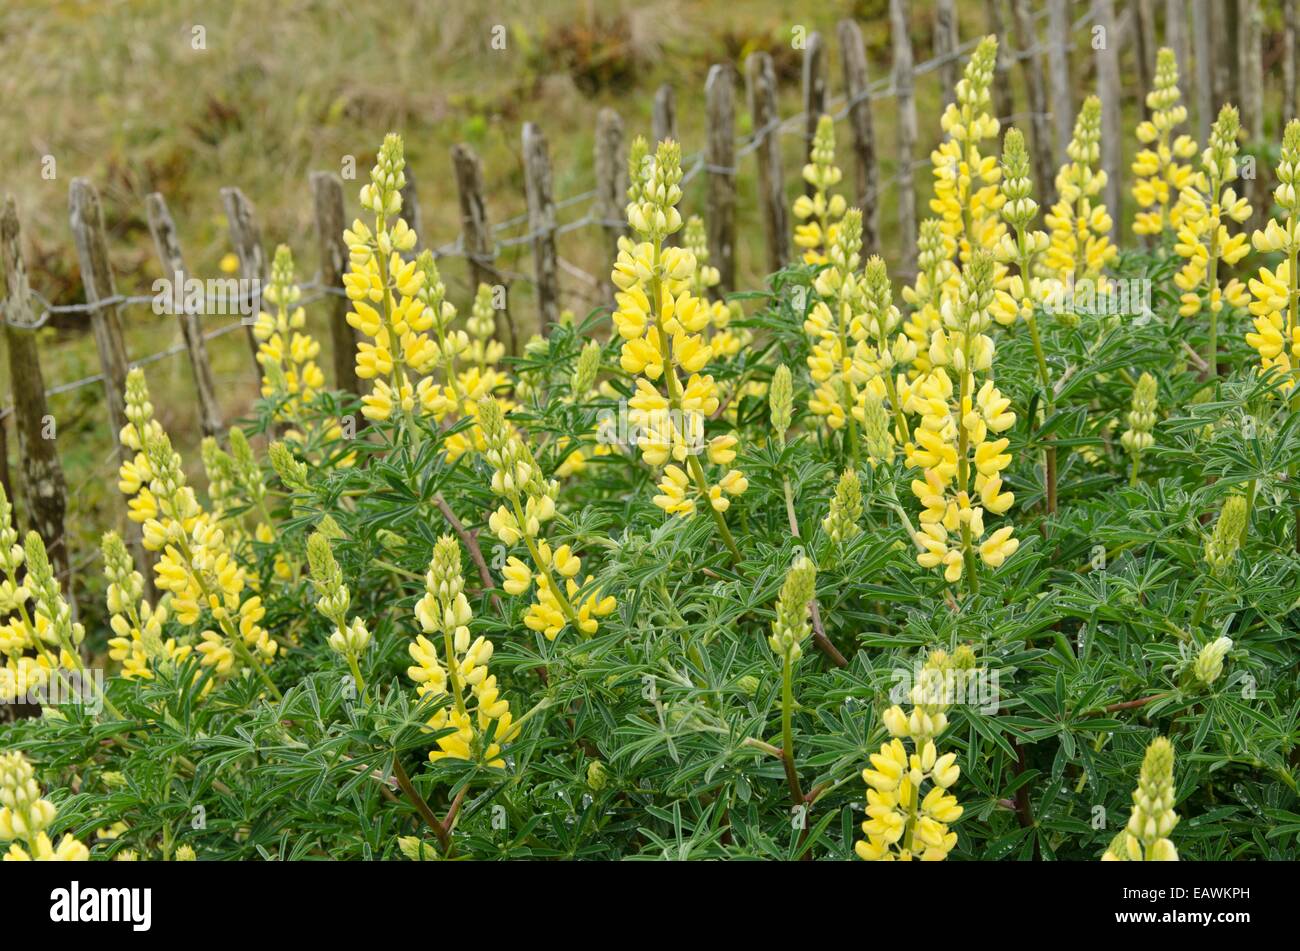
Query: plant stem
(787, 730)
(422, 807)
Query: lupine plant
(986, 572)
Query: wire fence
(838, 107)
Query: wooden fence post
(663, 115)
(1225, 33)
(1003, 104)
(904, 86)
(1108, 89)
(720, 156)
(1290, 36)
(853, 53)
(610, 161)
(1250, 56)
(1204, 59)
(97, 277)
(476, 235)
(246, 237)
(1250, 77)
(1058, 72)
(1032, 64)
(327, 200)
(168, 247)
(760, 82)
(541, 222)
(45, 490)
(945, 46)
(87, 220)
(1144, 32)
(814, 93)
(1177, 39)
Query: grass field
(275, 94)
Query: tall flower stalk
(661, 323)
(1209, 203)
(1024, 246)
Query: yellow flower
(1208, 204)
(1079, 225)
(662, 320)
(819, 213)
(955, 443)
(1275, 295)
(1161, 177)
(24, 817)
(1146, 837)
(529, 502)
(902, 824)
(479, 718)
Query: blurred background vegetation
(115, 91)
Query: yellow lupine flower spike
(1275, 294)
(197, 564)
(662, 323)
(902, 824)
(528, 503)
(820, 213)
(1161, 177)
(841, 359)
(137, 625)
(287, 355)
(1079, 224)
(956, 445)
(1141, 420)
(444, 610)
(21, 673)
(1146, 837)
(966, 195)
(24, 817)
(1209, 203)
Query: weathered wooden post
(87, 220)
(1250, 67)
(945, 48)
(327, 200)
(246, 237)
(168, 246)
(1144, 34)
(1108, 89)
(814, 92)
(663, 114)
(476, 235)
(904, 87)
(1177, 38)
(720, 159)
(541, 222)
(610, 161)
(853, 53)
(1290, 36)
(1058, 72)
(45, 490)
(1003, 104)
(1032, 64)
(1204, 59)
(760, 81)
